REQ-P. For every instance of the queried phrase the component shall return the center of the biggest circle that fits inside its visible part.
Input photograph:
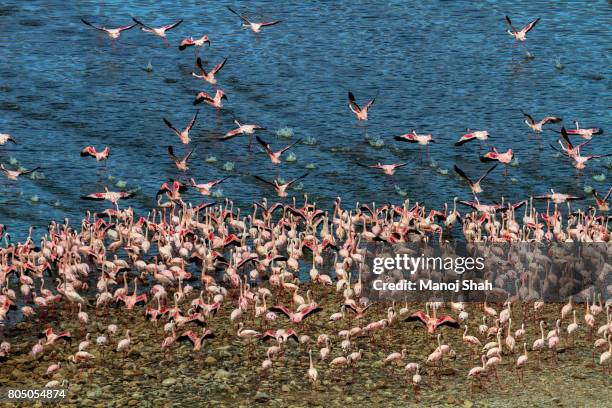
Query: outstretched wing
(296, 179)
(265, 181)
(218, 67)
(264, 144)
(140, 23)
(352, 102)
(487, 173)
(243, 18)
(171, 26)
(284, 149)
(531, 25)
(167, 122)
(193, 121)
(462, 174)
(270, 23)
(101, 28)
(510, 24)
(528, 116)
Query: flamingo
(521, 362)
(205, 188)
(572, 327)
(181, 163)
(92, 152)
(5, 138)
(195, 339)
(274, 156)
(602, 203)
(474, 185)
(477, 372)
(504, 158)
(113, 33)
(190, 42)
(360, 113)
(536, 127)
(414, 137)
(521, 35)
(296, 317)
(539, 343)
(208, 76)
(13, 174)
(112, 196)
(281, 189)
(124, 344)
(585, 133)
(183, 135)
(431, 323)
(215, 101)
(312, 371)
(481, 135)
(160, 31)
(242, 130)
(388, 169)
(255, 27)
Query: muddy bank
(227, 371)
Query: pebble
(222, 374)
(285, 388)
(210, 360)
(169, 381)
(262, 397)
(133, 402)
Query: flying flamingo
(474, 185)
(113, 33)
(388, 169)
(206, 98)
(183, 134)
(112, 196)
(481, 135)
(181, 164)
(274, 156)
(557, 198)
(99, 156)
(602, 203)
(581, 161)
(13, 174)
(158, 32)
(208, 76)
(521, 36)
(536, 127)
(281, 189)
(585, 133)
(569, 149)
(360, 113)
(190, 42)
(494, 155)
(414, 137)
(242, 130)
(204, 189)
(5, 138)
(255, 27)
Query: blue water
(439, 67)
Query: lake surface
(438, 67)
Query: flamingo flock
(285, 281)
